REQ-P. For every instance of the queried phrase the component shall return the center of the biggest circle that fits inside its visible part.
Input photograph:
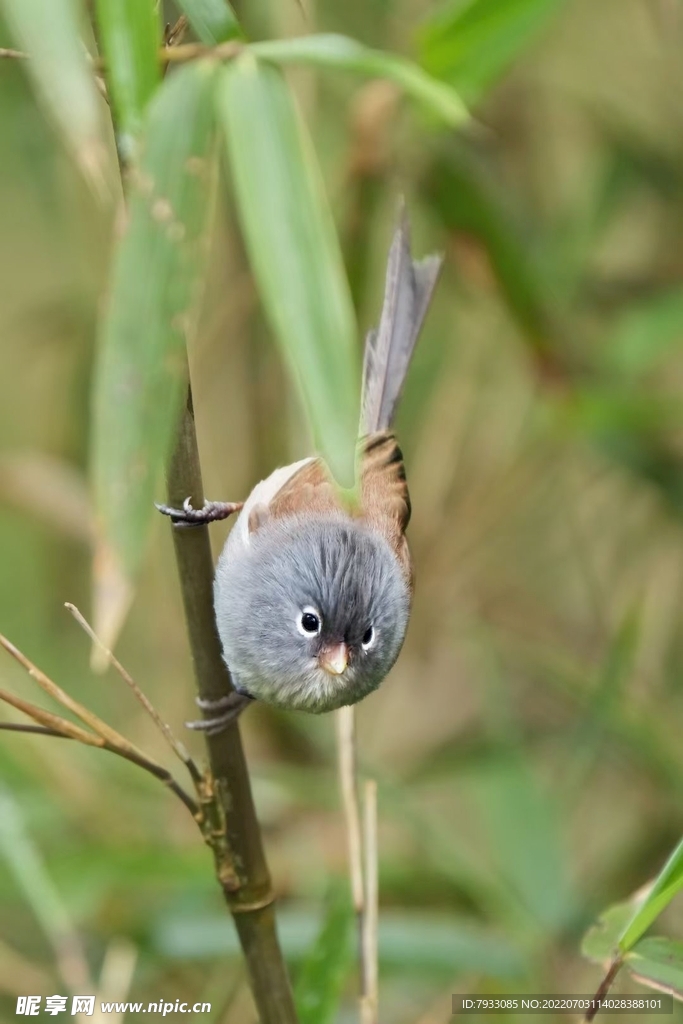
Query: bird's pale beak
(334, 659)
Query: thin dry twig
(346, 758)
(603, 988)
(195, 51)
(174, 34)
(57, 693)
(370, 999)
(102, 736)
(48, 720)
(176, 746)
(40, 730)
(172, 54)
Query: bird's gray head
(312, 612)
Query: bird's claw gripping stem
(211, 512)
(229, 708)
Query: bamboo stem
(251, 901)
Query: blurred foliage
(129, 33)
(321, 978)
(214, 21)
(154, 304)
(527, 744)
(471, 42)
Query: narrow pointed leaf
(152, 311)
(294, 251)
(337, 51)
(666, 885)
(658, 963)
(130, 35)
(214, 21)
(321, 978)
(601, 942)
(471, 44)
(48, 30)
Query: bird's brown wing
(385, 502)
(384, 492)
(310, 489)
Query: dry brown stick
(603, 988)
(40, 730)
(176, 746)
(194, 51)
(55, 725)
(161, 773)
(251, 902)
(51, 721)
(57, 693)
(104, 737)
(173, 35)
(346, 759)
(172, 54)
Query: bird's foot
(228, 708)
(211, 512)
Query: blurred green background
(527, 744)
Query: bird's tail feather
(389, 348)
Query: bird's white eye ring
(369, 638)
(309, 622)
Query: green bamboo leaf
(48, 30)
(294, 251)
(665, 886)
(336, 51)
(321, 979)
(601, 942)
(151, 315)
(129, 32)
(472, 43)
(658, 963)
(214, 21)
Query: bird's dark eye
(309, 622)
(368, 637)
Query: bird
(312, 593)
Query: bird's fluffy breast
(337, 565)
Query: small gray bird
(312, 598)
